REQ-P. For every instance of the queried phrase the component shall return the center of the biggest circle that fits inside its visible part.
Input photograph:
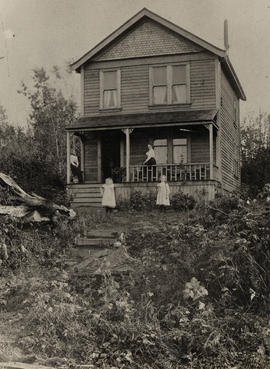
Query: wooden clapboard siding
(91, 91)
(200, 148)
(134, 88)
(135, 85)
(229, 136)
(91, 159)
(202, 84)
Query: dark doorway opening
(110, 153)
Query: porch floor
(89, 195)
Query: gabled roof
(145, 13)
(137, 17)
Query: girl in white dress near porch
(163, 195)
(108, 195)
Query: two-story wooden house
(152, 82)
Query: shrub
(226, 203)
(118, 174)
(139, 201)
(181, 201)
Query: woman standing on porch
(150, 156)
(150, 161)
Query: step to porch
(85, 195)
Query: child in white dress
(163, 195)
(108, 195)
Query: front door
(110, 154)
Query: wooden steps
(85, 195)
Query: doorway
(110, 154)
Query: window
(179, 84)
(169, 84)
(179, 150)
(161, 151)
(110, 89)
(160, 85)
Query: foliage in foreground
(198, 298)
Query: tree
(256, 152)
(51, 113)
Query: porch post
(68, 158)
(122, 152)
(82, 156)
(211, 151)
(99, 159)
(127, 153)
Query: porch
(88, 195)
(186, 152)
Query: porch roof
(103, 122)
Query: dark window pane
(110, 80)
(160, 76)
(179, 74)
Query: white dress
(163, 195)
(108, 198)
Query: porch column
(82, 156)
(127, 153)
(68, 158)
(127, 132)
(122, 152)
(211, 151)
(99, 159)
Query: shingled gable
(145, 14)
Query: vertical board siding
(135, 88)
(229, 137)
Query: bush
(139, 201)
(226, 203)
(181, 201)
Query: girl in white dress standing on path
(108, 195)
(163, 195)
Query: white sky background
(54, 32)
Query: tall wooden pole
(211, 151)
(68, 158)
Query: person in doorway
(108, 195)
(150, 162)
(163, 194)
(75, 169)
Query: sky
(44, 33)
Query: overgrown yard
(197, 295)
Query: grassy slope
(157, 317)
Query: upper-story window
(110, 89)
(169, 84)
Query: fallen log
(34, 207)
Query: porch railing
(173, 172)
